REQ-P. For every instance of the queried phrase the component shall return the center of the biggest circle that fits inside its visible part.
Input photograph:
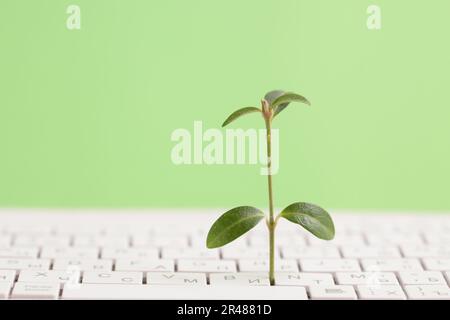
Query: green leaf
(273, 95)
(311, 217)
(233, 224)
(239, 113)
(280, 103)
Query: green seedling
(236, 222)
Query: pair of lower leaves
(238, 221)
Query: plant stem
(271, 223)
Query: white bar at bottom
(111, 291)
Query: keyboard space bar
(111, 291)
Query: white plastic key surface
(112, 277)
(332, 292)
(145, 265)
(310, 252)
(425, 251)
(24, 264)
(366, 278)
(7, 277)
(447, 276)
(370, 252)
(427, 292)
(5, 288)
(49, 276)
(381, 292)
(305, 279)
(5, 240)
(41, 240)
(329, 265)
(189, 253)
(13, 252)
(111, 291)
(24, 290)
(69, 252)
(130, 253)
(206, 266)
(394, 265)
(101, 241)
(422, 278)
(247, 253)
(239, 279)
(433, 264)
(260, 265)
(83, 264)
(175, 278)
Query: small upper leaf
(239, 113)
(233, 224)
(281, 102)
(311, 217)
(273, 95)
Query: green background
(86, 115)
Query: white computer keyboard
(56, 254)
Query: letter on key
(239, 279)
(176, 278)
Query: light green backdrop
(86, 115)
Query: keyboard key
(423, 251)
(332, 292)
(12, 252)
(83, 264)
(304, 279)
(41, 240)
(5, 288)
(247, 253)
(112, 277)
(311, 252)
(427, 292)
(239, 279)
(5, 240)
(366, 278)
(130, 253)
(24, 264)
(436, 264)
(113, 291)
(447, 276)
(7, 277)
(101, 241)
(381, 292)
(370, 252)
(24, 290)
(206, 266)
(339, 240)
(69, 252)
(176, 278)
(144, 265)
(262, 241)
(437, 238)
(329, 265)
(49, 276)
(422, 278)
(393, 265)
(189, 253)
(160, 241)
(258, 265)
(393, 238)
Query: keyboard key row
(243, 265)
(234, 253)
